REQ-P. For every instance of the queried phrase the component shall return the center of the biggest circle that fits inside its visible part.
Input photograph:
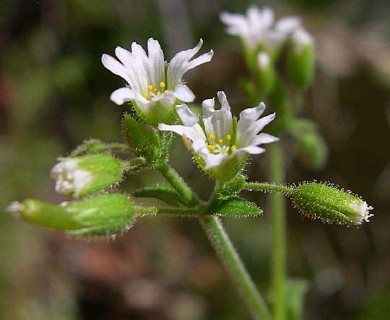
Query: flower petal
(208, 107)
(263, 138)
(193, 133)
(223, 101)
(188, 118)
(252, 114)
(115, 67)
(251, 150)
(183, 93)
(156, 62)
(120, 96)
(180, 63)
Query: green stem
(172, 212)
(278, 207)
(221, 242)
(178, 184)
(227, 253)
(267, 187)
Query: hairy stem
(178, 184)
(232, 262)
(222, 244)
(278, 207)
(267, 187)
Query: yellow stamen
(211, 136)
(211, 147)
(146, 95)
(228, 137)
(150, 87)
(166, 91)
(233, 147)
(162, 84)
(220, 141)
(224, 152)
(155, 91)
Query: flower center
(220, 145)
(154, 92)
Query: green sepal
(161, 192)
(143, 139)
(95, 146)
(235, 207)
(158, 113)
(103, 215)
(45, 214)
(229, 168)
(231, 187)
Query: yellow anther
(146, 95)
(224, 152)
(150, 87)
(211, 136)
(211, 147)
(166, 91)
(228, 137)
(233, 147)
(162, 84)
(155, 91)
(220, 141)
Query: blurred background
(54, 93)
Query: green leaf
(295, 294)
(162, 192)
(236, 207)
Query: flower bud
(300, 60)
(84, 175)
(102, 215)
(265, 73)
(329, 204)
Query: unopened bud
(84, 175)
(329, 204)
(102, 215)
(300, 58)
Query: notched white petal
(122, 95)
(187, 117)
(183, 93)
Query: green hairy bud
(102, 215)
(331, 205)
(80, 176)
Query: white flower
(216, 136)
(69, 177)
(258, 27)
(149, 79)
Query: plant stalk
(278, 209)
(233, 264)
(223, 246)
